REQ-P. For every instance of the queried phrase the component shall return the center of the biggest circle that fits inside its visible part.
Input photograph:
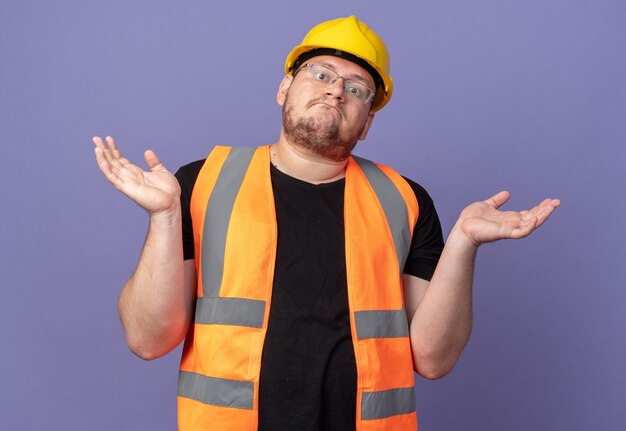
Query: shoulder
(423, 198)
(190, 169)
(187, 174)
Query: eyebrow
(352, 76)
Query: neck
(303, 165)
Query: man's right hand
(156, 303)
(157, 191)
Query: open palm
(484, 222)
(156, 190)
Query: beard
(321, 136)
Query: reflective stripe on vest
(394, 206)
(232, 210)
(218, 392)
(230, 311)
(384, 404)
(218, 211)
(381, 324)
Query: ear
(283, 89)
(368, 123)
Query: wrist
(459, 238)
(168, 217)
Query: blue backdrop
(528, 96)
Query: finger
(112, 154)
(498, 199)
(108, 148)
(99, 155)
(97, 140)
(153, 160)
(105, 167)
(546, 205)
(103, 155)
(111, 142)
(541, 213)
(108, 154)
(543, 216)
(524, 228)
(536, 209)
(124, 161)
(116, 162)
(113, 146)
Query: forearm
(152, 306)
(442, 322)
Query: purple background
(528, 96)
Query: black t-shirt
(308, 370)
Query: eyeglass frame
(371, 93)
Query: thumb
(498, 199)
(152, 160)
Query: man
(309, 284)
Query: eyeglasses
(326, 76)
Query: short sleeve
(186, 177)
(427, 242)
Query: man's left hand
(483, 222)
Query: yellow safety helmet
(349, 36)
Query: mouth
(327, 105)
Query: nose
(335, 89)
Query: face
(324, 119)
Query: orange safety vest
(235, 236)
